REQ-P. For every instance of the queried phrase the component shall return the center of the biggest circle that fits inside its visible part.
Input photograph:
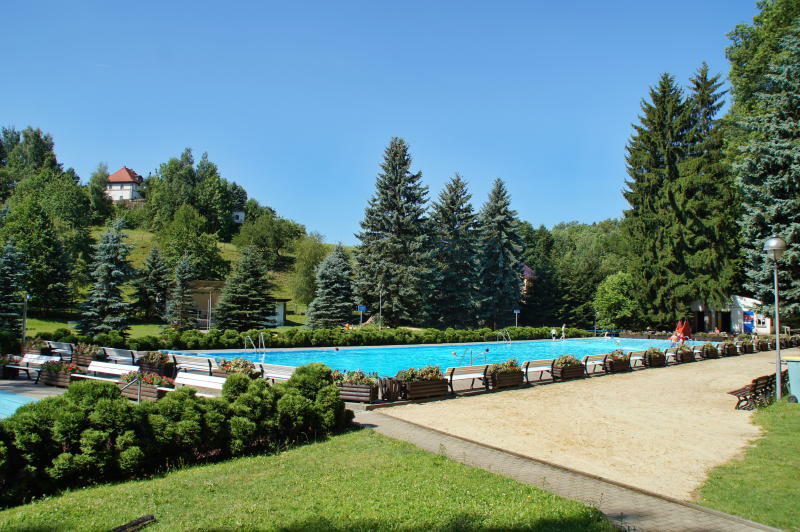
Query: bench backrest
(38, 360)
(108, 368)
(637, 353)
(199, 381)
(274, 371)
(544, 363)
(202, 363)
(63, 346)
(125, 355)
(594, 358)
(466, 370)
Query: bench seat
(201, 382)
(637, 357)
(188, 363)
(477, 372)
(31, 362)
(592, 362)
(538, 366)
(275, 372)
(106, 371)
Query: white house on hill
(123, 185)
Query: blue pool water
(9, 402)
(390, 360)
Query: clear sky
(297, 100)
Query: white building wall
(121, 192)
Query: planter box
(149, 392)
(52, 378)
(617, 366)
(221, 373)
(8, 373)
(708, 353)
(420, 389)
(651, 361)
(358, 393)
(506, 380)
(748, 349)
(82, 359)
(165, 370)
(391, 388)
(686, 356)
(568, 372)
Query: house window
(761, 321)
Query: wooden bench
(105, 369)
(275, 372)
(538, 366)
(757, 393)
(671, 352)
(637, 358)
(592, 362)
(125, 356)
(188, 363)
(30, 362)
(201, 382)
(467, 372)
(62, 349)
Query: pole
(24, 322)
(380, 309)
(777, 340)
(516, 320)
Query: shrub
(567, 361)
(710, 348)
(110, 339)
(654, 352)
(509, 366)
(57, 366)
(235, 385)
(428, 373)
(354, 377)
(156, 358)
(237, 365)
(618, 354)
(308, 380)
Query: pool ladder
(262, 344)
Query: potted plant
(728, 349)
(685, 354)
(150, 384)
(236, 365)
(617, 361)
(424, 382)
(710, 351)
(505, 374)
(654, 358)
(56, 373)
(83, 354)
(36, 346)
(157, 362)
(567, 367)
(747, 346)
(356, 386)
(795, 340)
(763, 345)
(6, 372)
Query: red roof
(125, 175)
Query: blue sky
(297, 100)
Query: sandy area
(656, 429)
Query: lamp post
(775, 247)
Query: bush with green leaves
(618, 354)
(567, 361)
(509, 366)
(428, 373)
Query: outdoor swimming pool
(389, 360)
(9, 402)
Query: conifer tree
(104, 309)
(152, 285)
(392, 259)
(454, 287)
(654, 234)
(769, 177)
(180, 307)
(246, 302)
(333, 300)
(12, 273)
(499, 251)
(707, 203)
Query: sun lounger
(592, 362)
(30, 362)
(204, 383)
(637, 358)
(467, 372)
(106, 371)
(62, 349)
(184, 363)
(124, 356)
(275, 372)
(538, 366)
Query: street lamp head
(775, 247)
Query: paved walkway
(626, 507)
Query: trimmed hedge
(302, 337)
(91, 434)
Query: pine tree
(708, 205)
(246, 302)
(180, 307)
(104, 309)
(652, 227)
(454, 287)
(333, 300)
(152, 285)
(499, 251)
(769, 177)
(393, 256)
(12, 273)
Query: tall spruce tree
(246, 302)
(454, 287)
(708, 205)
(180, 307)
(12, 274)
(105, 309)
(152, 286)
(333, 300)
(769, 177)
(392, 260)
(500, 252)
(652, 227)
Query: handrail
(138, 380)
(246, 338)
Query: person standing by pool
(564, 331)
(553, 333)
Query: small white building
(123, 185)
(738, 316)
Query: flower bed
(710, 351)
(617, 361)
(149, 389)
(158, 363)
(505, 374)
(685, 354)
(83, 354)
(57, 373)
(236, 365)
(356, 386)
(654, 358)
(421, 383)
(568, 367)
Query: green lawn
(36, 325)
(763, 485)
(357, 481)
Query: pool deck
(22, 386)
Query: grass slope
(763, 485)
(357, 481)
